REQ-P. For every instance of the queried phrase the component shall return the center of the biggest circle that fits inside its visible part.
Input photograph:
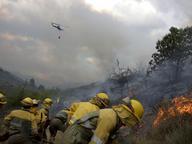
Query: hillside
(8, 79)
(15, 88)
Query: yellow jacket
(110, 120)
(106, 123)
(22, 115)
(41, 116)
(78, 110)
(44, 110)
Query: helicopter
(58, 27)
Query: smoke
(150, 90)
(164, 83)
(30, 46)
(93, 39)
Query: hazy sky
(99, 31)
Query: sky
(96, 33)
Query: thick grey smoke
(178, 9)
(150, 90)
(29, 44)
(87, 49)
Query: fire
(179, 106)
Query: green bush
(16, 94)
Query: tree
(41, 87)
(32, 82)
(121, 76)
(175, 48)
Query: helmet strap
(128, 104)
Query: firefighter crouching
(21, 125)
(104, 123)
(76, 112)
(58, 123)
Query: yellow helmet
(27, 101)
(138, 108)
(135, 106)
(47, 101)
(2, 99)
(103, 98)
(35, 102)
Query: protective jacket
(42, 117)
(80, 109)
(21, 122)
(104, 123)
(109, 121)
(68, 117)
(45, 111)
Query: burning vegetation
(179, 106)
(172, 124)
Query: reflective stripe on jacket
(80, 109)
(22, 120)
(103, 122)
(106, 123)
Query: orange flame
(179, 106)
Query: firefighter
(58, 123)
(2, 100)
(77, 111)
(40, 116)
(97, 127)
(43, 118)
(21, 124)
(47, 103)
